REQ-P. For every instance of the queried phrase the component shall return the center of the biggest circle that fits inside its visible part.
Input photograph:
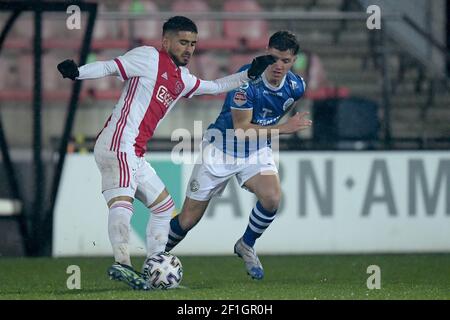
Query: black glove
(68, 69)
(259, 64)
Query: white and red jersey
(153, 84)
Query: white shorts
(211, 175)
(125, 174)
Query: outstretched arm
(221, 85)
(234, 81)
(134, 63)
(98, 69)
(94, 70)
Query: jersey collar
(271, 87)
(164, 52)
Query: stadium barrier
(344, 202)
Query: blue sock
(176, 234)
(260, 220)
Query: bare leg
(267, 189)
(190, 215)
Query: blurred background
(379, 100)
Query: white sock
(158, 225)
(119, 230)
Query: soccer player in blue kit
(255, 107)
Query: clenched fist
(68, 69)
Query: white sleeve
(217, 86)
(98, 69)
(135, 63)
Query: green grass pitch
(412, 276)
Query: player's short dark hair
(284, 40)
(179, 23)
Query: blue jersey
(268, 103)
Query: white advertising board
(333, 202)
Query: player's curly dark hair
(179, 23)
(284, 40)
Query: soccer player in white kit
(155, 79)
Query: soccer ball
(163, 271)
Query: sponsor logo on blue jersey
(268, 106)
